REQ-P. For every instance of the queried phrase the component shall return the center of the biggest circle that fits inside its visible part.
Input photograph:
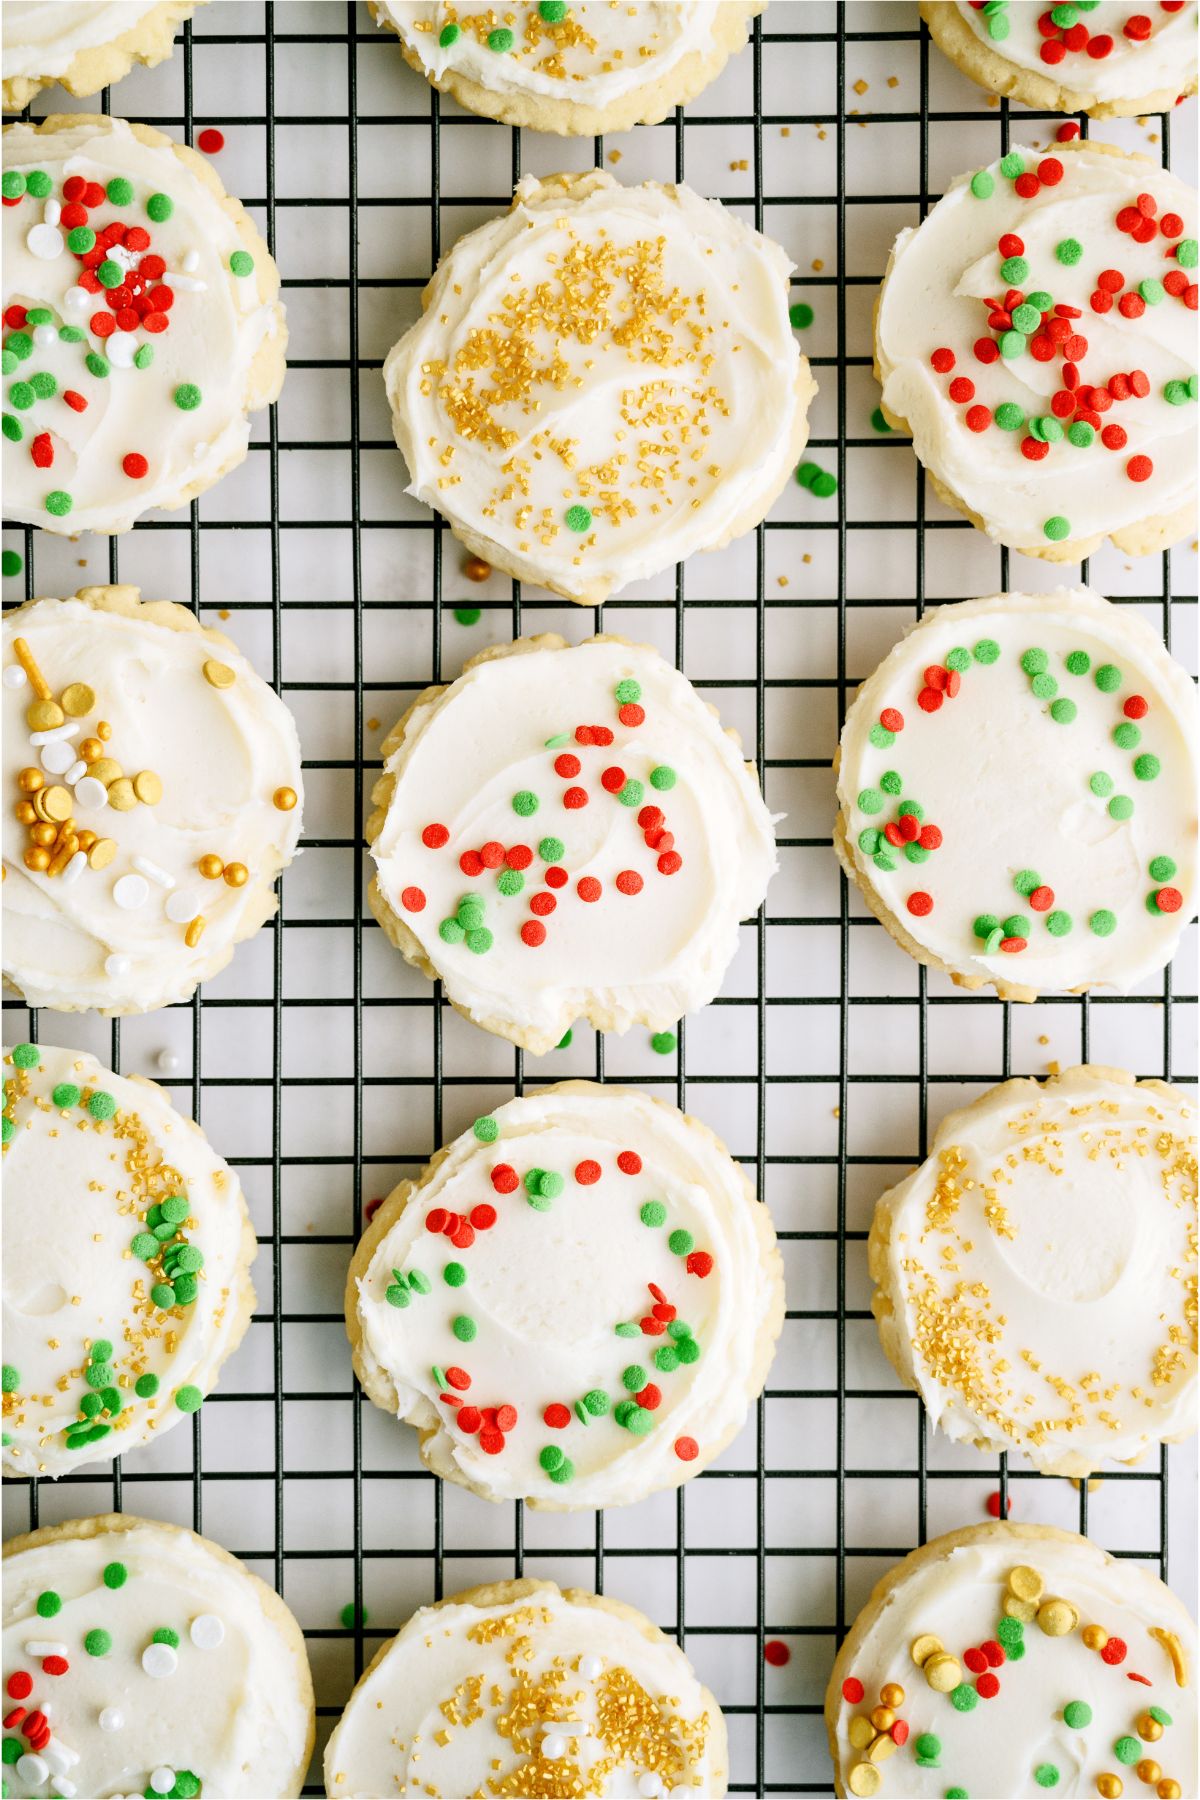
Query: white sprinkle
(51, 212)
(151, 869)
(553, 1746)
(70, 1757)
(116, 965)
(186, 284)
(206, 1630)
(590, 1667)
(182, 906)
(162, 1780)
(130, 891)
(45, 335)
(58, 1763)
(112, 1718)
(60, 1785)
(121, 347)
(76, 770)
(31, 1768)
(68, 729)
(15, 676)
(168, 1062)
(74, 868)
(46, 1647)
(159, 1660)
(90, 794)
(650, 1785)
(76, 299)
(191, 261)
(44, 241)
(58, 756)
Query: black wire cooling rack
(759, 1766)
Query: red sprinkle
(613, 780)
(1053, 51)
(986, 350)
(1033, 449)
(42, 450)
(434, 836)
(491, 1440)
(533, 933)
(994, 1653)
(1115, 1651)
(492, 854)
(776, 1653)
(556, 877)
(1027, 185)
(651, 817)
(463, 1238)
(471, 863)
(631, 713)
(1131, 306)
(412, 899)
(686, 1449)
(929, 699)
(987, 1687)
(930, 837)
(435, 1220)
(961, 390)
(1171, 225)
(919, 904)
(504, 1178)
(469, 1418)
(629, 882)
(1042, 899)
(588, 1172)
(975, 1660)
(483, 1216)
(557, 1416)
(650, 1397)
(1138, 28)
(14, 1718)
(58, 1665)
(588, 888)
(1139, 468)
(567, 766)
(1139, 383)
(978, 418)
(909, 826)
(993, 1500)
(211, 140)
(1169, 899)
(699, 1262)
(1012, 946)
(1114, 437)
(506, 1415)
(852, 1690)
(542, 904)
(1067, 131)
(1136, 707)
(1100, 47)
(899, 1731)
(630, 1163)
(1111, 280)
(518, 856)
(458, 1379)
(943, 361)
(670, 863)
(889, 718)
(1144, 1679)
(574, 798)
(1050, 171)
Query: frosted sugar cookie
(1012, 1660)
(604, 380)
(142, 324)
(1102, 57)
(1036, 335)
(84, 44)
(1036, 1276)
(574, 1303)
(567, 832)
(1017, 791)
(526, 1688)
(154, 796)
(577, 69)
(141, 1659)
(127, 1251)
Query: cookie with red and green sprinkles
(575, 1303)
(140, 1659)
(1109, 58)
(1037, 337)
(127, 1249)
(567, 832)
(1017, 791)
(141, 324)
(1010, 1659)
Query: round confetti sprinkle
(98, 1642)
(663, 1042)
(1103, 922)
(1056, 528)
(241, 263)
(982, 184)
(577, 518)
(987, 650)
(801, 315)
(501, 41)
(450, 34)
(1120, 807)
(653, 1213)
(188, 1399)
(1108, 678)
(1077, 1714)
(775, 1651)
(187, 396)
(1147, 766)
(1046, 1775)
(525, 803)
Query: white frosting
(997, 1746)
(41, 39)
(562, 1674)
(76, 1193)
(1133, 67)
(115, 937)
(596, 54)
(215, 328)
(546, 1287)
(236, 1716)
(642, 957)
(651, 381)
(1041, 1270)
(932, 299)
(1010, 788)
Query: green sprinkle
(985, 925)
(143, 357)
(890, 781)
(564, 1471)
(352, 1615)
(960, 1793)
(870, 800)
(879, 423)
(501, 41)
(241, 263)
(1046, 1775)
(468, 615)
(916, 853)
(663, 1042)
(525, 803)
(1120, 807)
(1044, 687)
(20, 344)
(395, 1295)
(964, 1698)
(681, 1243)
(653, 1213)
(10, 1749)
(26, 1056)
(98, 1642)
(1108, 678)
(451, 932)
(1101, 784)
(39, 184)
(470, 911)
(96, 366)
(1009, 416)
(163, 1295)
(550, 1458)
(464, 1328)
(12, 184)
(801, 315)
(632, 793)
(577, 517)
(1147, 766)
(983, 185)
(596, 1402)
(553, 11)
(1152, 291)
(825, 485)
(627, 1330)
(81, 240)
(1035, 662)
(115, 1574)
(1186, 251)
(1012, 344)
(911, 806)
(165, 1635)
(174, 1207)
(869, 840)
(1162, 868)
(881, 737)
(1063, 711)
(807, 473)
(959, 659)
(1077, 1714)
(885, 860)
(486, 1129)
(65, 1095)
(110, 274)
(1026, 318)
(14, 431)
(1175, 393)
(188, 1399)
(450, 34)
(987, 650)
(564, 1041)
(1016, 925)
(101, 1351)
(160, 207)
(551, 849)
(1025, 880)
(187, 396)
(1058, 923)
(120, 190)
(663, 778)
(59, 503)
(1069, 251)
(1081, 434)
(145, 1387)
(1056, 528)
(1126, 736)
(1103, 923)
(628, 691)
(1014, 270)
(1010, 1631)
(1161, 1717)
(11, 1378)
(634, 1377)
(49, 1604)
(1078, 662)
(928, 1744)
(1127, 1749)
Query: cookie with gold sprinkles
(1036, 1276)
(575, 1302)
(127, 1250)
(154, 795)
(1036, 334)
(522, 1688)
(1006, 1660)
(142, 323)
(604, 380)
(576, 67)
(140, 1659)
(1017, 791)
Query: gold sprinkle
(1026, 1583)
(148, 787)
(77, 699)
(56, 803)
(121, 795)
(102, 853)
(1174, 1650)
(210, 867)
(194, 932)
(924, 1647)
(283, 799)
(218, 674)
(106, 769)
(37, 680)
(44, 715)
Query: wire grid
(759, 1765)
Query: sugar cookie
(84, 44)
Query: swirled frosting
(112, 409)
(593, 54)
(1049, 780)
(45, 40)
(178, 1662)
(1050, 426)
(1142, 62)
(539, 1692)
(571, 1305)
(88, 1155)
(117, 930)
(1037, 1273)
(604, 380)
(583, 893)
(1052, 1694)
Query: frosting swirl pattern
(45, 40)
(567, 831)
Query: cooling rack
(325, 1069)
